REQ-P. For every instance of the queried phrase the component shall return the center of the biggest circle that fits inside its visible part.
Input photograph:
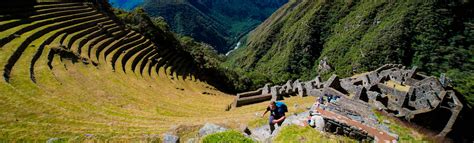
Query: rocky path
(380, 136)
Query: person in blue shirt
(277, 114)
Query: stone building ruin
(401, 92)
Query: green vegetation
(218, 23)
(435, 36)
(294, 133)
(227, 137)
(211, 62)
(257, 122)
(203, 56)
(406, 134)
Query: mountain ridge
(228, 20)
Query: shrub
(226, 137)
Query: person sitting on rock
(315, 120)
(277, 114)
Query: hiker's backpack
(281, 106)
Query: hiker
(277, 114)
(315, 120)
(320, 101)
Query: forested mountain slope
(357, 36)
(220, 23)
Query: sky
(125, 4)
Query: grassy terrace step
(111, 43)
(77, 35)
(72, 36)
(182, 67)
(130, 52)
(86, 39)
(119, 34)
(121, 50)
(104, 35)
(173, 64)
(166, 60)
(140, 56)
(146, 60)
(70, 29)
(163, 61)
(139, 60)
(128, 44)
(40, 16)
(39, 52)
(7, 35)
(14, 12)
(187, 70)
(85, 50)
(100, 43)
(36, 34)
(115, 29)
(62, 16)
(136, 56)
(149, 67)
(62, 32)
(166, 57)
(89, 46)
(120, 44)
(153, 74)
(39, 6)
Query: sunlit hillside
(71, 71)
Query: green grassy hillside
(436, 36)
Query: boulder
(52, 140)
(210, 128)
(262, 134)
(170, 138)
(192, 140)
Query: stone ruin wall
(393, 88)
